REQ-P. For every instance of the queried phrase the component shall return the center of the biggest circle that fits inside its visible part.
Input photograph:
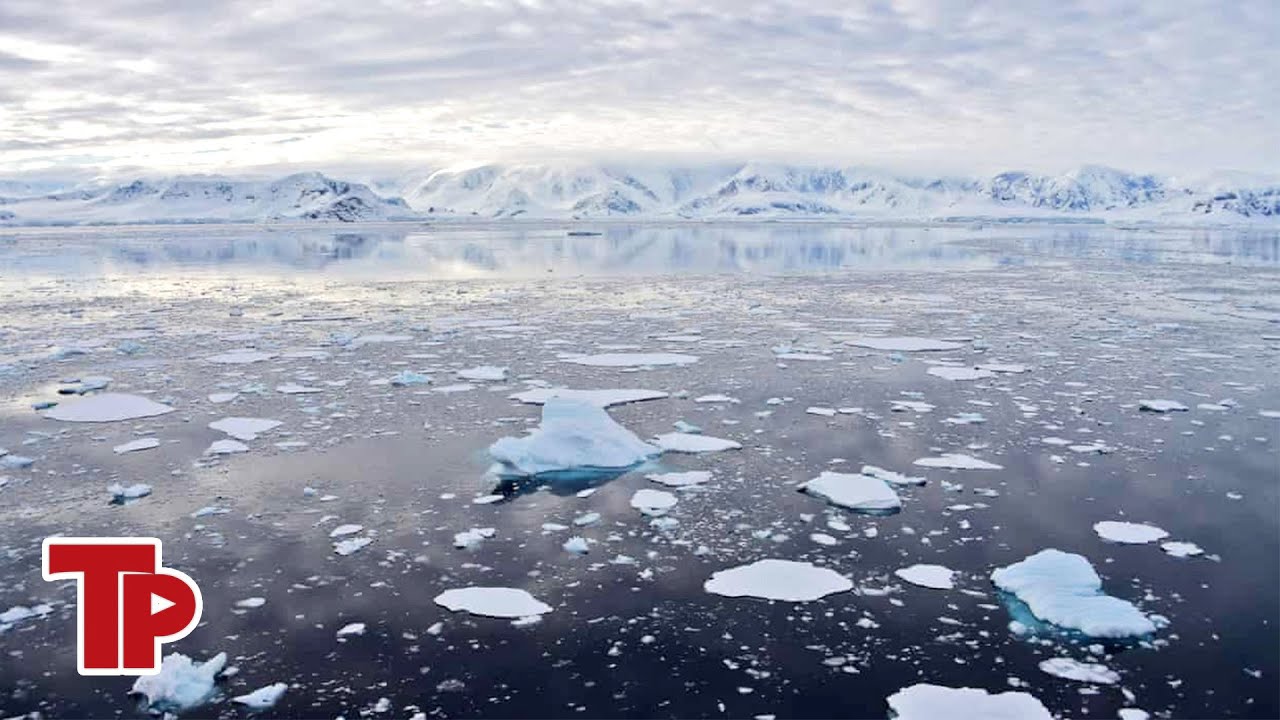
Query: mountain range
(610, 191)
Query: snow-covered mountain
(707, 192)
(300, 197)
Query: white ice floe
(344, 530)
(1063, 589)
(681, 479)
(957, 461)
(904, 344)
(120, 493)
(774, 579)
(853, 491)
(241, 356)
(181, 683)
(350, 629)
(803, 356)
(226, 447)
(715, 399)
(376, 339)
(632, 359)
(251, 602)
(222, 397)
(599, 398)
(490, 373)
(931, 702)
(244, 428)
(1069, 669)
(574, 435)
(891, 477)
(1162, 406)
(351, 545)
(820, 411)
(576, 545)
(107, 407)
(653, 502)
(406, 378)
(937, 577)
(498, 602)
(1003, 367)
(691, 443)
(136, 445)
(297, 389)
(1181, 549)
(18, 613)
(1128, 533)
(473, 537)
(263, 697)
(950, 372)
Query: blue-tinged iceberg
(1063, 589)
(575, 436)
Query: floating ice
(1181, 549)
(351, 545)
(681, 479)
(223, 397)
(1162, 406)
(405, 378)
(599, 398)
(1128, 533)
(484, 372)
(498, 602)
(691, 443)
(930, 702)
(296, 389)
(251, 602)
(774, 579)
(1063, 589)
(355, 628)
(1069, 669)
(121, 493)
(244, 428)
(376, 338)
(15, 462)
(472, 538)
(242, 356)
(821, 411)
(263, 697)
(107, 407)
(633, 359)
(857, 492)
(891, 477)
(574, 436)
(716, 399)
(653, 502)
(904, 344)
(576, 545)
(948, 372)
(957, 461)
(136, 445)
(937, 577)
(18, 613)
(343, 530)
(1003, 367)
(181, 683)
(226, 447)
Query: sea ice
(136, 445)
(891, 477)
(576, 545)
(406, 378)
(854, 491)
(242, 356)
(181, 683)
(107, 407)
(574, 435)
(1162, 406)
(904, 344)
(1069, 669)
(681, 479)
(244, 428)
(930, 702)
(1003, 367)
(957, 461)
(599, 398)
(355, 628)
(226, 447)
(121, 493)
(653, 502)
(1128, 533)
(343, 530)
(1181, 549)
(937, 577)
(949, 372)
(633, 359)
(691, 443)
(1063, 589)
(774, 579)
(297, 389)
(263, 697)
(472, 538)
(498, 602)
(351, 545)
(484, 372)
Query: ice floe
(573, 436)
(931, 702)
(498, 602)
(937, 577)
(774, 579)
(1128, 533)
(263, 697)
(241, 356)
(681, 479)
(473, 537)
(691, 443)
(122, 493)
(599, 398)
(904, 344)
(181, 683)
(484, 373)
(632, 359)
(653, 502)
(1003, 368)
(1162, 406)
(244, 428)
(891, 477)
(136, 445)
(863, 493)
(950, 372)
(1063, 589)
(226, 447)
(351, 545)
(297, 389)
(107, 407)
(1069, 669)
(957, 461)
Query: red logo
(127, 603)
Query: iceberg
(929, 702)
(1063, 589)
(574, 436)
(862, 493)
(181, 682)
(263, 697)
(774, 579)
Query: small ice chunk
(405, 378)
(351, 545)
(821, 411)
(136, 445)
(1181, 549)
(1162, 406)
(690, 443)
(107, 407)
(716, 398)
(181, 683)
(576, 545)
(263, 697)
(473, 537)
(223, 397)
(498, 602)
(251, 602)
(342, 530)
(121, 493)
(957, 461)
(484, 373)
(930, 702)
(244, 428)
(891, 477)
(937, 577)
(1069, 669)
(632, 359)
(681, 479)
(949, 372)
(854, 491)
(774, 579)
(1063, 589)
(226, 447)
(1003, 367)
(573, 435)
(653, 502)
(297, 389)
(355, 628)
(240, 356)
(1128, 533)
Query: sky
(123, 86)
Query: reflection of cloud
(207, 85)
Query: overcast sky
(949, 85)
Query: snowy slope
(301, 197)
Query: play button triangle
(160, 604)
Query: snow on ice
(498, 602)
(1063, 589)
(854, 491)
(774, 579)
(931, 702)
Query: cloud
(923, 83)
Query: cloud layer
(178, 84)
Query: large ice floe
(107, 407)
(864, 493)
(1063, 589)
(937, 577)
(774, 579)
(574, 436)
(181, 683)
(599, 398)
(957, 461)
(692, 443)
(930, 702)
(1128, 533)
(498, 602)
(904, 344)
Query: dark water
(1103, 318)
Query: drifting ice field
(690, 471)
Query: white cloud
(1184, 85)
